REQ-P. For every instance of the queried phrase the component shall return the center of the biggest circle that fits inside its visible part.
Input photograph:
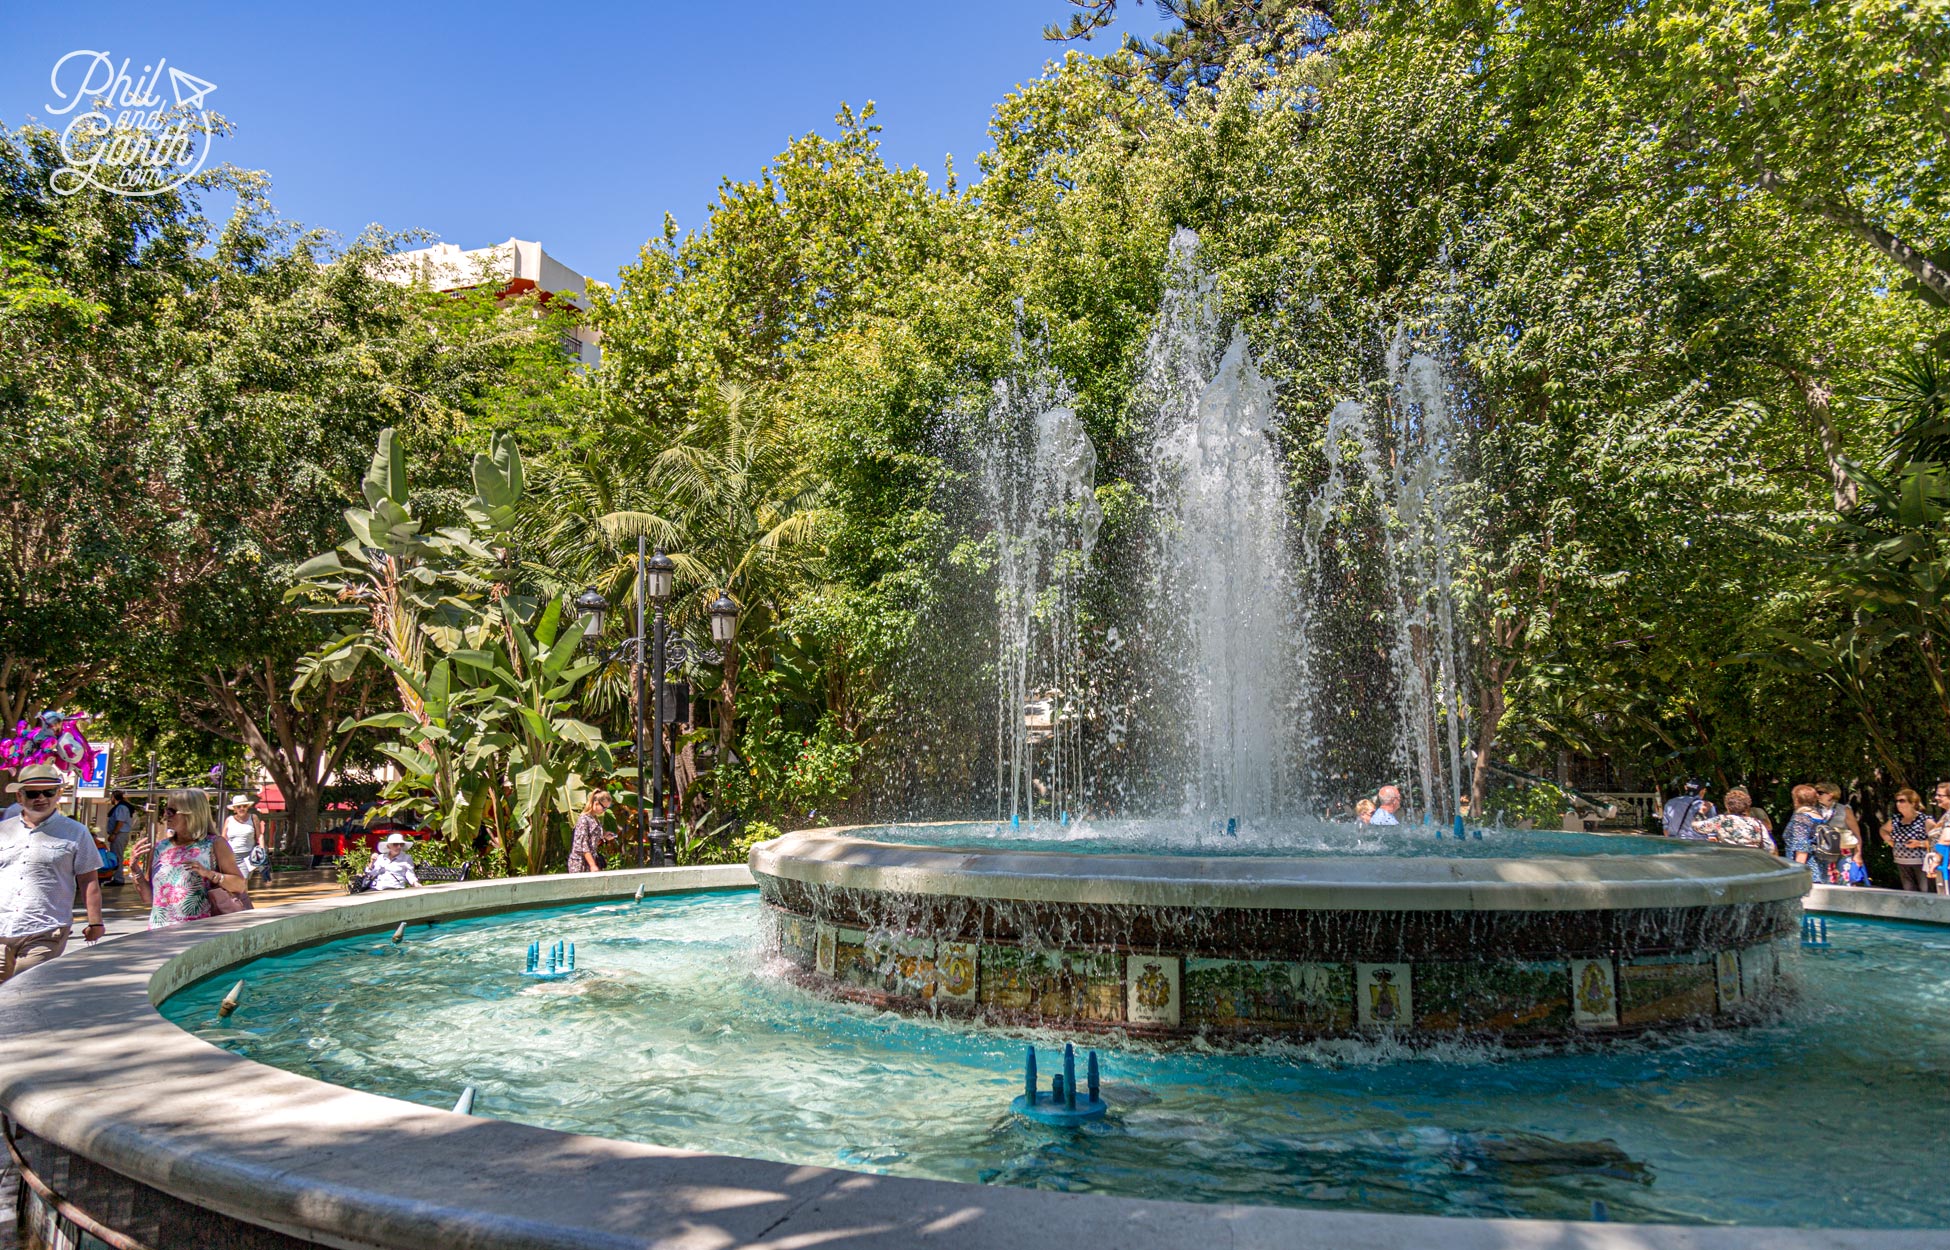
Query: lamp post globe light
(724, 619)
(592, 610)
(658, 576)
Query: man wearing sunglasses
(44, 857)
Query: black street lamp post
(656, 576)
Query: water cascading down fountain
(1234, 913)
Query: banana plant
(553, 755)
(452, 748)
(412, 587)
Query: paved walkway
(123, 914)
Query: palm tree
(741, 513)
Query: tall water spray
(1038, 474)
(1402, 466)
(1218, 613)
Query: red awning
(270, 798)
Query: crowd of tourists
(1823, 832)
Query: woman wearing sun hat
(245, 834)
(44, 858)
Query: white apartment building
(515, 267)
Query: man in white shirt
(1387, 806)
(44, 857)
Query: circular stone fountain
(1516, 935)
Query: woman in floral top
(1737, 826)
(589, 831)
(191, 861)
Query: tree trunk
(1817, 394)
(299, 746)
(1929, 275)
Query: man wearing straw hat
(44, 856)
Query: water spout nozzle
(1069, 1076)
(230, 1001)
(399, 934)
(1091, 1077)
(464, 1105)
(1459, 827)
(1232, 826)
(1029, 1074)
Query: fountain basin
(1535, 945)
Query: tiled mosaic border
(1174, 993)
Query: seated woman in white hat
(391, 867)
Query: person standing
(589, 832)
(1799, 835)
(1683, 812)
(188, 864)
(45, 857)
(1908, 836)
(245, 834)
(1387, 806)
(120, 823)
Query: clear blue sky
(578, 124)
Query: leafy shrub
(724, 846)
(1541, 803)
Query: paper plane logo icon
(189, 89)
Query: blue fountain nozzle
(1460, 836)
(1477, 833)
(1232, 826)
(1015, 820)
(1065, 1105)
(1064, 820)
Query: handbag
(223, 902)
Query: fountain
(1163, 927)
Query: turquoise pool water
(1834, 1113)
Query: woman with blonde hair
(588, 832)
(192, 861)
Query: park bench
(430, 873)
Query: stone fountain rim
(1686, 875)
(338, 1167)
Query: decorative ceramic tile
(798, 939)
(902, 966)
(1063, 985)
(1501, 996)
(1666, 990)
(1726, 970)
(824, 949)
(955, 971)
(1594, 994)
(854, 962)
(1383, 996)
(1254, 994)
(1154, 985)
(1757, 971)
